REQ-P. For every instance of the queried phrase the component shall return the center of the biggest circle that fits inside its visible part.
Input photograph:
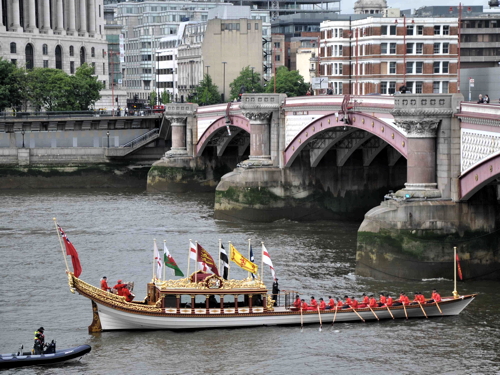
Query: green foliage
(84, 88)
(12, 85)
(50, 89)
(165, 97)
(288, 82)
(152, 98)
(206, 93)
(247, 82)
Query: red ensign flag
(459, 269)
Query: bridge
(416, 166)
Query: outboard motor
(51, 348)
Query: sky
(348, 5)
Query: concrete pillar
(32, 16)
(91, 16)
(15, 22)
(83, 17)
(178, 125)
(59, 17)
(71, 16)
(46, 17)
(2, 26)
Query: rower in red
(297, 303)
(331, 303)
(304, 305)
(119, 287)
(313, 303)
(436, 297)
(389, 301)
(373, 302)
(382, 300)
(104, 284)
(354, 303)
(322, 304)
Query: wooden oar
(301, 320)
(334, 315)
(390, 312)
(360, 317)
(423, 309)
(373, 313)
(320, 322)
(439, 308)
(404, 307)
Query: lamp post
(107, 133)
(252, 75)
(207, 66)
(224, 81)
(22, 132)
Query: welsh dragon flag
(170, 262)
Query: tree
(12, 85)
(288, 82)
(248, 81)
(206, 92)
(152, 98)
(85, 88)
(165, 97)
(51, 89)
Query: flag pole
(62, 247)
(163, 260)
(249, 240)
(189, 256)
(455, 293)
(220, 246)
(262, 263)
(196, 264)
(154, 273)
(229, 260)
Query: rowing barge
(203, 301)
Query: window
(45, 49)
(420, 48)
(420, 29)
(13, 48)
(446, 67)
(390, 51)
(444, 87)
(256, 26)
(277, 57)
(28, 51)
(409, 48)
(418, 87)
(392, 87)
(419, 67)
(436, 67)
(446, 48)
(409, 87)
(437, 47)
(383, 48)
(388, 87)
(410, 29)
(388, 30)
(392, 48)
(92, 52)
(71, 51)
(58, 57)
(249, 26)
(440, 87)
(435, 87)
(446, 30)
(72, 67)
(392, 67)
(13, 61)
(409, 67)
(82, 56)
(45, 63)
(437, 29)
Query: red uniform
(348, 301)
(340, 304)
(354, 303)
(104, 285)
(421, 298)
(373, 302)
(322, 305)
(119, 288)
(128, 296)
(436, 297)
(389, 301)
(314, 304)
(406, 300)
(304, 305)
(383, 300)
(297, 303)
(366, 300)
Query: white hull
(120, 319)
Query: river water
(113, 231)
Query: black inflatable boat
(28, 359)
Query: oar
(301, 320)
(404, 307)
(358, 314)
(439, 308)
(320, 322)
(373, 313)
(334, 315)
(390, 312)
(423, 310)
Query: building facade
(62, 34)
(379, 55)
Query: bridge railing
(46, 115)
(142, 138)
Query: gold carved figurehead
(214, 282)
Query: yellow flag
(241, 261)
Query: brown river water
(113, 231)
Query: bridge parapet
(180, 116)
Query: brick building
(379, 55)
